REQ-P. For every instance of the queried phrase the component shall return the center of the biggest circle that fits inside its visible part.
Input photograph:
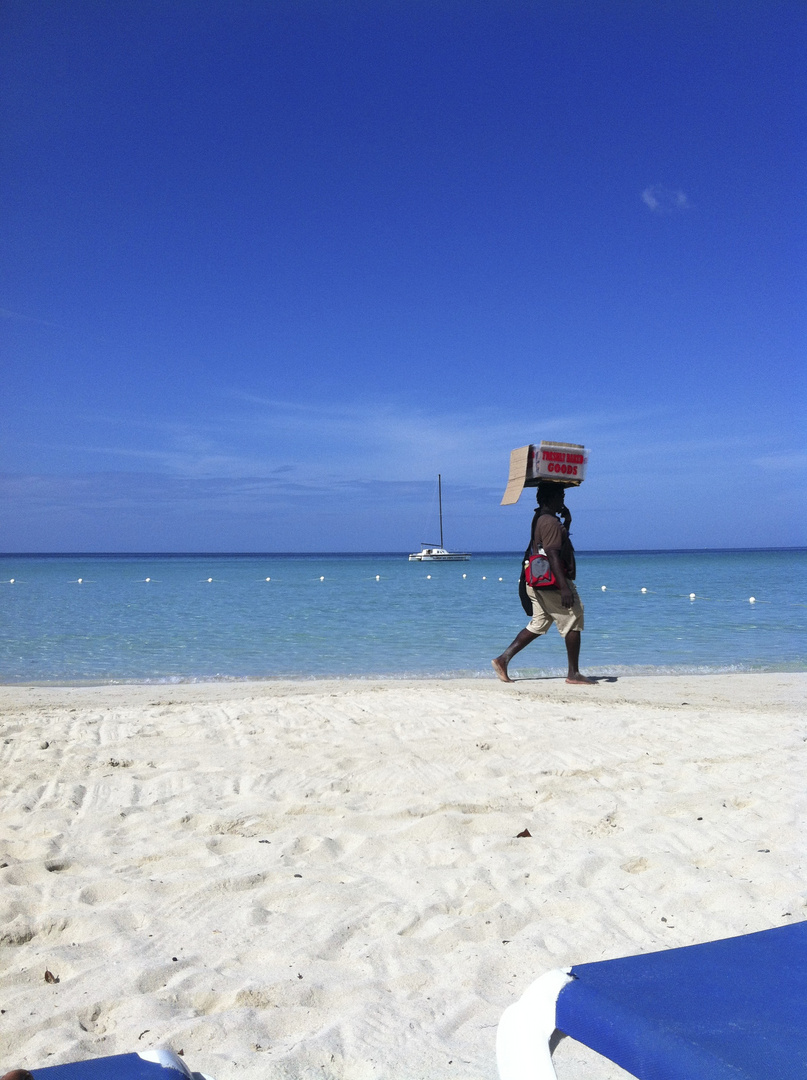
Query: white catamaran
(432, 553)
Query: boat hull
(439, 556)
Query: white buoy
(501, 579)
(322, 578)
(11, 580)
(644, 590)
(268, 579)
(604, 588)
(428, 577)
(752, 599)
(464, 576)
(209, 580)
(80, 581)
(692, 596)
(148, 579)
(378, 577)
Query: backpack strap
(530, 550)
(526, 603)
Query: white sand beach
(324, 879)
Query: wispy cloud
(664, 200)
(388, 441)
(6, 314)
(259, 436)
(785, 462)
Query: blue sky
(268, 268)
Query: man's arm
(566, 595)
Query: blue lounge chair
(147, 1065)
(734, 1009)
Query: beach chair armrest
(526, 1029)
(166, 1057)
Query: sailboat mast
(440, 503)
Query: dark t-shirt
(548, 534)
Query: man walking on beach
(559, 604)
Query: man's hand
(566, 516)
(566, 596)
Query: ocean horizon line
(365, 554)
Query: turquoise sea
(210, 617)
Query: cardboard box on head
(563, 463)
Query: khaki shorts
(547, 608)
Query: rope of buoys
(643, 591)
(694, 596)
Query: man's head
(550, 495)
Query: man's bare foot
(501, 669)
(580, 680)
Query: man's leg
(523, 639)
(573, 675)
